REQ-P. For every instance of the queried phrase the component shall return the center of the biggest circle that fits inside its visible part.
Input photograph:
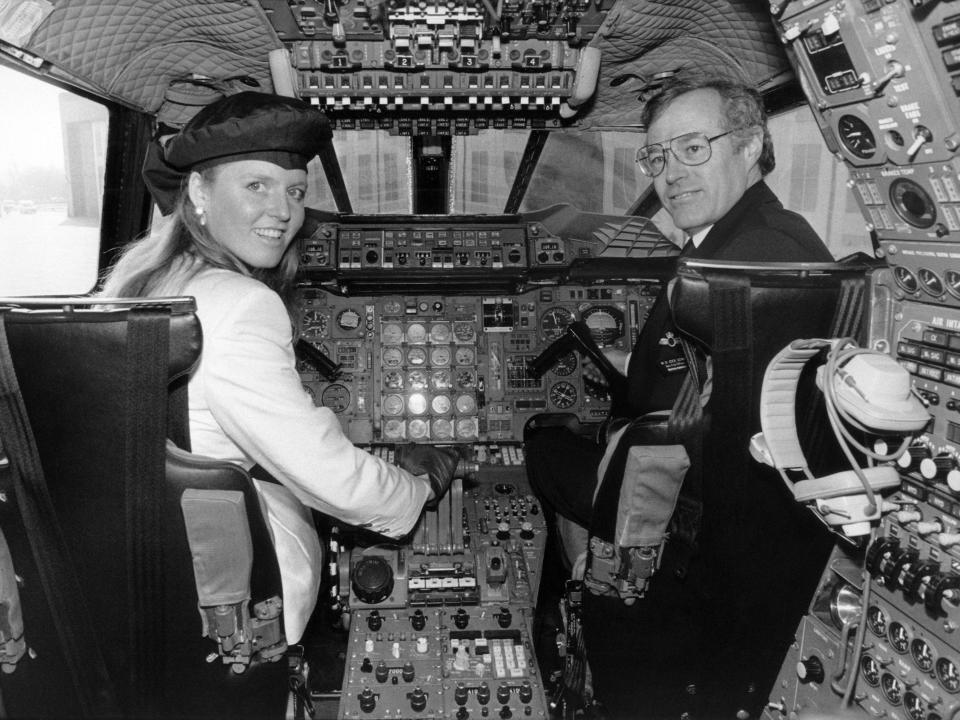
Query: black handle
(323, 365)
(578, 337)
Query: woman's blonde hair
(181, 249)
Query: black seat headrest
(98, 326)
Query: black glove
(438, 464)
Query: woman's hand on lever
(438, 464)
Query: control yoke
(318, 359)
(578, 337)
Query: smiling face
(697, 196)
(253, 208)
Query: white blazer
(247, 405)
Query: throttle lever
(324, 365)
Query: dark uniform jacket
(709, 642)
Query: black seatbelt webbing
(95, 690)
(147, 361)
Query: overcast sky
(29, 122)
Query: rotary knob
(461, 619)
(483, 693)
(910, 460)
(368, 701)
(418, 620)
(373, 579)
(418, 699)
(810, 670)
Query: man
(707, 150)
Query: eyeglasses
(690, 149)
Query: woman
(235, 179)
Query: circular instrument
(440, 333)
(440, 356)
(605, 323)
(392, 405)
(417, 356)
(336, 397)
(416, 334)
(349, 319)
(417, 404)
(565, 364)
(554, 321)
(392, 334)
(563, 395)
(912, 203)
(392, 357)
(856, 136)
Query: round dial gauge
(394, 429)
(856, 136)
(416, 334)
(464, 332)
(870, 670)
(922, 654)
(466, 379)
(392, 334)
(892, 688)
(417, 404)
(914, 705)
(931, 282)
(417, 380)
(441, 380)
(605, 323)
(554, 321)
(440, 404)
(912, 203)
(314, 323)
(466, 428)
(336, 397)
(877, 621)
(948, 674)
(440, 333)
(906, 279)
(899, 637)
(952, 280)
(565, 364)
(349, 319)
(442, 429)
(466, 404)
(392, 357)
(393, 405)
(393, 380)
(440, 356)
(465, 356)
(418, 429)
(417, 356)
(563, 395)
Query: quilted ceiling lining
(212, 37)
(642, 38)
(161, 41)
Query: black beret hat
(246, 126)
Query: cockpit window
(376, 171)
(52, 161)
(594, 171)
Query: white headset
(862, 388)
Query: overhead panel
(418, 68)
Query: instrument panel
(453, 368)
